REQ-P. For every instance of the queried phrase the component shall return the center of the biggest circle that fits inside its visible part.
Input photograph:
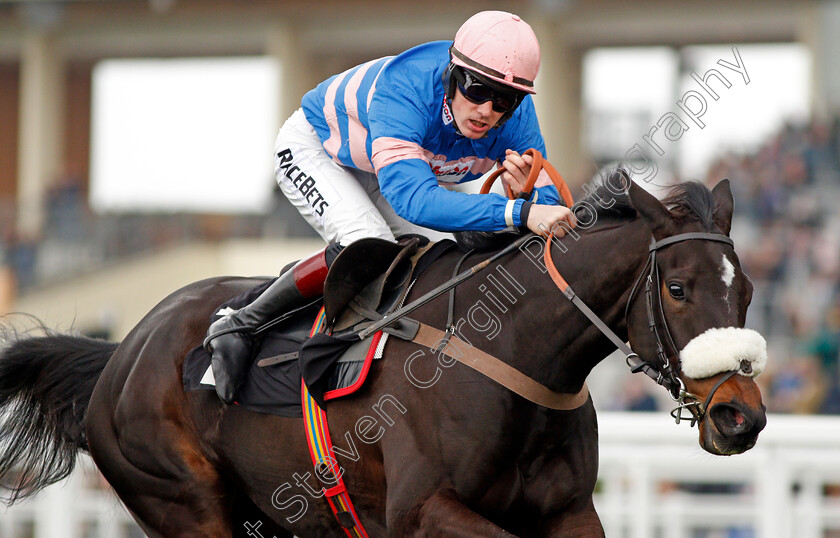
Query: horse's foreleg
(444, 515)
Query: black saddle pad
(275, 388)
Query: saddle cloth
(273, 383)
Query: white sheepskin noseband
(724, 350)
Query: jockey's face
(473, 120)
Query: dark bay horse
(428, 447)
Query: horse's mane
(609, 206)
(689, 201)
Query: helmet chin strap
(448, 104)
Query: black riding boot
(229, 340)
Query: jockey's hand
(545, 218)
(517, 167)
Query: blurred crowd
(787, 233)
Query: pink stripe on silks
(387, 150)
(543, 179)
(333, 143)
(480, 166)
(373, 86)
(357, 132)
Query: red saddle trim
(350, 389)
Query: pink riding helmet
(500, 46)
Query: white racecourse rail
(651, 471)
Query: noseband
(661, 369)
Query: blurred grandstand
(788, 233)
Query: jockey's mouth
(478, 125)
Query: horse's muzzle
(732, 428)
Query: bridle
(660, 370)
(665, 374)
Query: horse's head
(686, 315)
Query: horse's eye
(676, 291)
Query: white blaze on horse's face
(727, 275)
(728, 272)
(724, 349)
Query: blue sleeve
(546, 195)
(412, 190)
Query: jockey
(371, 150)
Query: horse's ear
(724, 206)
(651, 209)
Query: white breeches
(342, 204)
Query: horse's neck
(601, 267)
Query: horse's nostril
(730, 420)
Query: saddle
(367, 279)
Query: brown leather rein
(537, 166)
(492, 367)
(663, 374)
(448, 344)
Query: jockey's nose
(485, 108)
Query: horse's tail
(46, 382)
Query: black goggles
(478, 91)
